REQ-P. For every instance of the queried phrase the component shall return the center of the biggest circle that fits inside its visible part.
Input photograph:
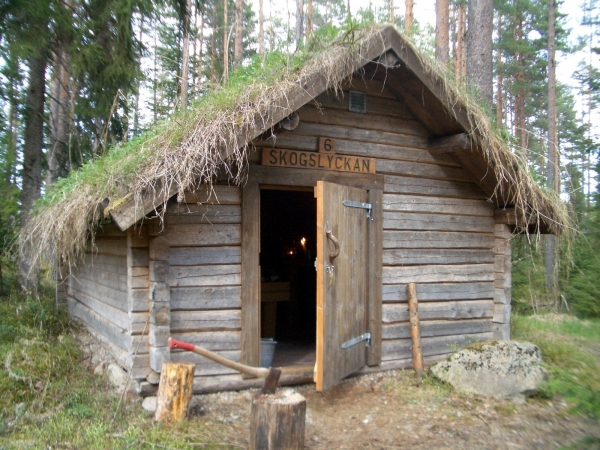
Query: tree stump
(174, 392)
(277, 421)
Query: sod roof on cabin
(215, 134)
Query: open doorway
(288, 278)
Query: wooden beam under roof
(449, 144)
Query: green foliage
(570, 349)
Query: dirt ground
(392, 411)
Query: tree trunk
(480, 50)
(186, 55)
(552, 171)
(57, 156)
(278, 421)
(459, 59)
(213, 49)
(136, 112)
(391, 12)
(309, 17)
(442, 32)
(408, 17)
(201, 54)
(261, 30)
(499, 80)
(32, 160)
(299, 22)
(239, 26)
(225, 44)
(174, 392)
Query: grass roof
(214, 134)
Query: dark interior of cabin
(288, 222)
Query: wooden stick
(415, 328)
(174, 392)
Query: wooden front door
(341, 282)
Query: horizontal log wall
(97, 291)
(438, 225)
(204, 234)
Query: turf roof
(214, 136)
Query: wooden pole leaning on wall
(174, 392)
(415, 328)
(277, 421)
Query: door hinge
(356, 340)
(367, 206)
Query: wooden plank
(374, 287)
(115, 246)
(394, 152)
(375, 105)
(435, 188)
(139, 236)
(113, 297)
(250, 278)
(205, 298)
(187, 321)
(444, 291)
(109, 230)
(189, 213)
(286, 140)
(411, 203)
(316, 161)
(334, 117)
(412, 257)
(113, 315)
(439, 345)
(210, 340)
(212, 275)
(436, 239)
(431, 328)
(466, 309)
(132, 210)
(139, 300)
(139, 257)
(502, 313)
(205, 366)
(103, 326)
(357, 134)
(436, 274)
(192, 256)
(341, 299)
(304, 177)
(441, 222)
(449, 144)
(204, 235)
(107, 279)
(214, 194)
(391, 167)
(370, 86)
(101, 263)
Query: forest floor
(393, 410)
(51, 399)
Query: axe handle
(248, 370)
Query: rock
(149, 404)
(499, 369)
(116, 375)
(153, 377)
(101, 368)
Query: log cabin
(365, 172)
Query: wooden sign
(325, 159)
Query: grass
(48, 399)
(571, 349)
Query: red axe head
(174, 343)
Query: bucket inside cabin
(267, 350)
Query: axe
(271, 375)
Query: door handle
(336, 245)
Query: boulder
(116, 375)
(499, 369)
(149, 404)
